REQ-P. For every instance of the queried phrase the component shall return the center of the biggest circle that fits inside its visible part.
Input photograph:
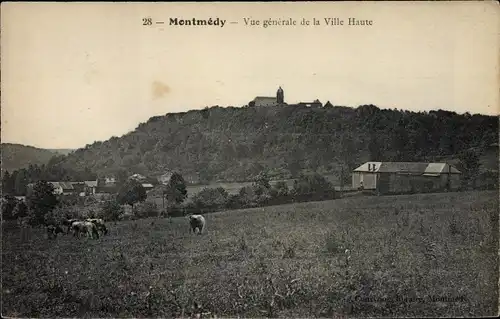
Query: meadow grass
(279, 261)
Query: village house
(79, 188)
(137, 177)
(90, 187)
(64, 188)
(147, 186)
(405, 177)
(109, 181)
(165, 178)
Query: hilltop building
(279, 100)
(315, 103)
(269, 100)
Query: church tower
(280, 96)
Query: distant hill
(236, 144)
(61, 151)
(16, 156)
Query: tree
(400, 141)
(294, 166)
(131, 192)
(280, 189)
(41, 201)
(175, 191)
(211, 199)
(121, 177)
(9, 203)
(21, 182)
(111, 210)
(262, 181)
(20, 211)
(312, 186)
(348, 151)
(247, 197)
(470, 163)
(7, 184)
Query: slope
(17, 156)
(236, 144)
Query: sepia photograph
(250, 159)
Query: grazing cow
(197, 223)
(88, 228)
(53, 230)
(68, 223)
(99, 224)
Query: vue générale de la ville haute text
(265, 23)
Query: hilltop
(17, 156)
(61, 151)
(236, 144)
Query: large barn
(405, 177)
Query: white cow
(197, 223)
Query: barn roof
(439, 168)
(407, 167)
(63, 185)
(137, 177)
(91, 183)
(66, 185)
(404, 167)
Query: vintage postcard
(250, 159)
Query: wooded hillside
(236, 144)
(16, 156)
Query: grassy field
(281, 261)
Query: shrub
(20, 210)
(280, 189)
(131, 193)
(146, 209)
(332, 244)
(111, 210)
(312, 187)
(247, 197)
(9, 204)
(211, 199)
(41, 200)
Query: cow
(99, 224)
(53, 230)
(85, 227)
(197, 223)
(68, 223)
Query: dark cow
(53, 230)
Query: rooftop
(408, 167)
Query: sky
(75, 73)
